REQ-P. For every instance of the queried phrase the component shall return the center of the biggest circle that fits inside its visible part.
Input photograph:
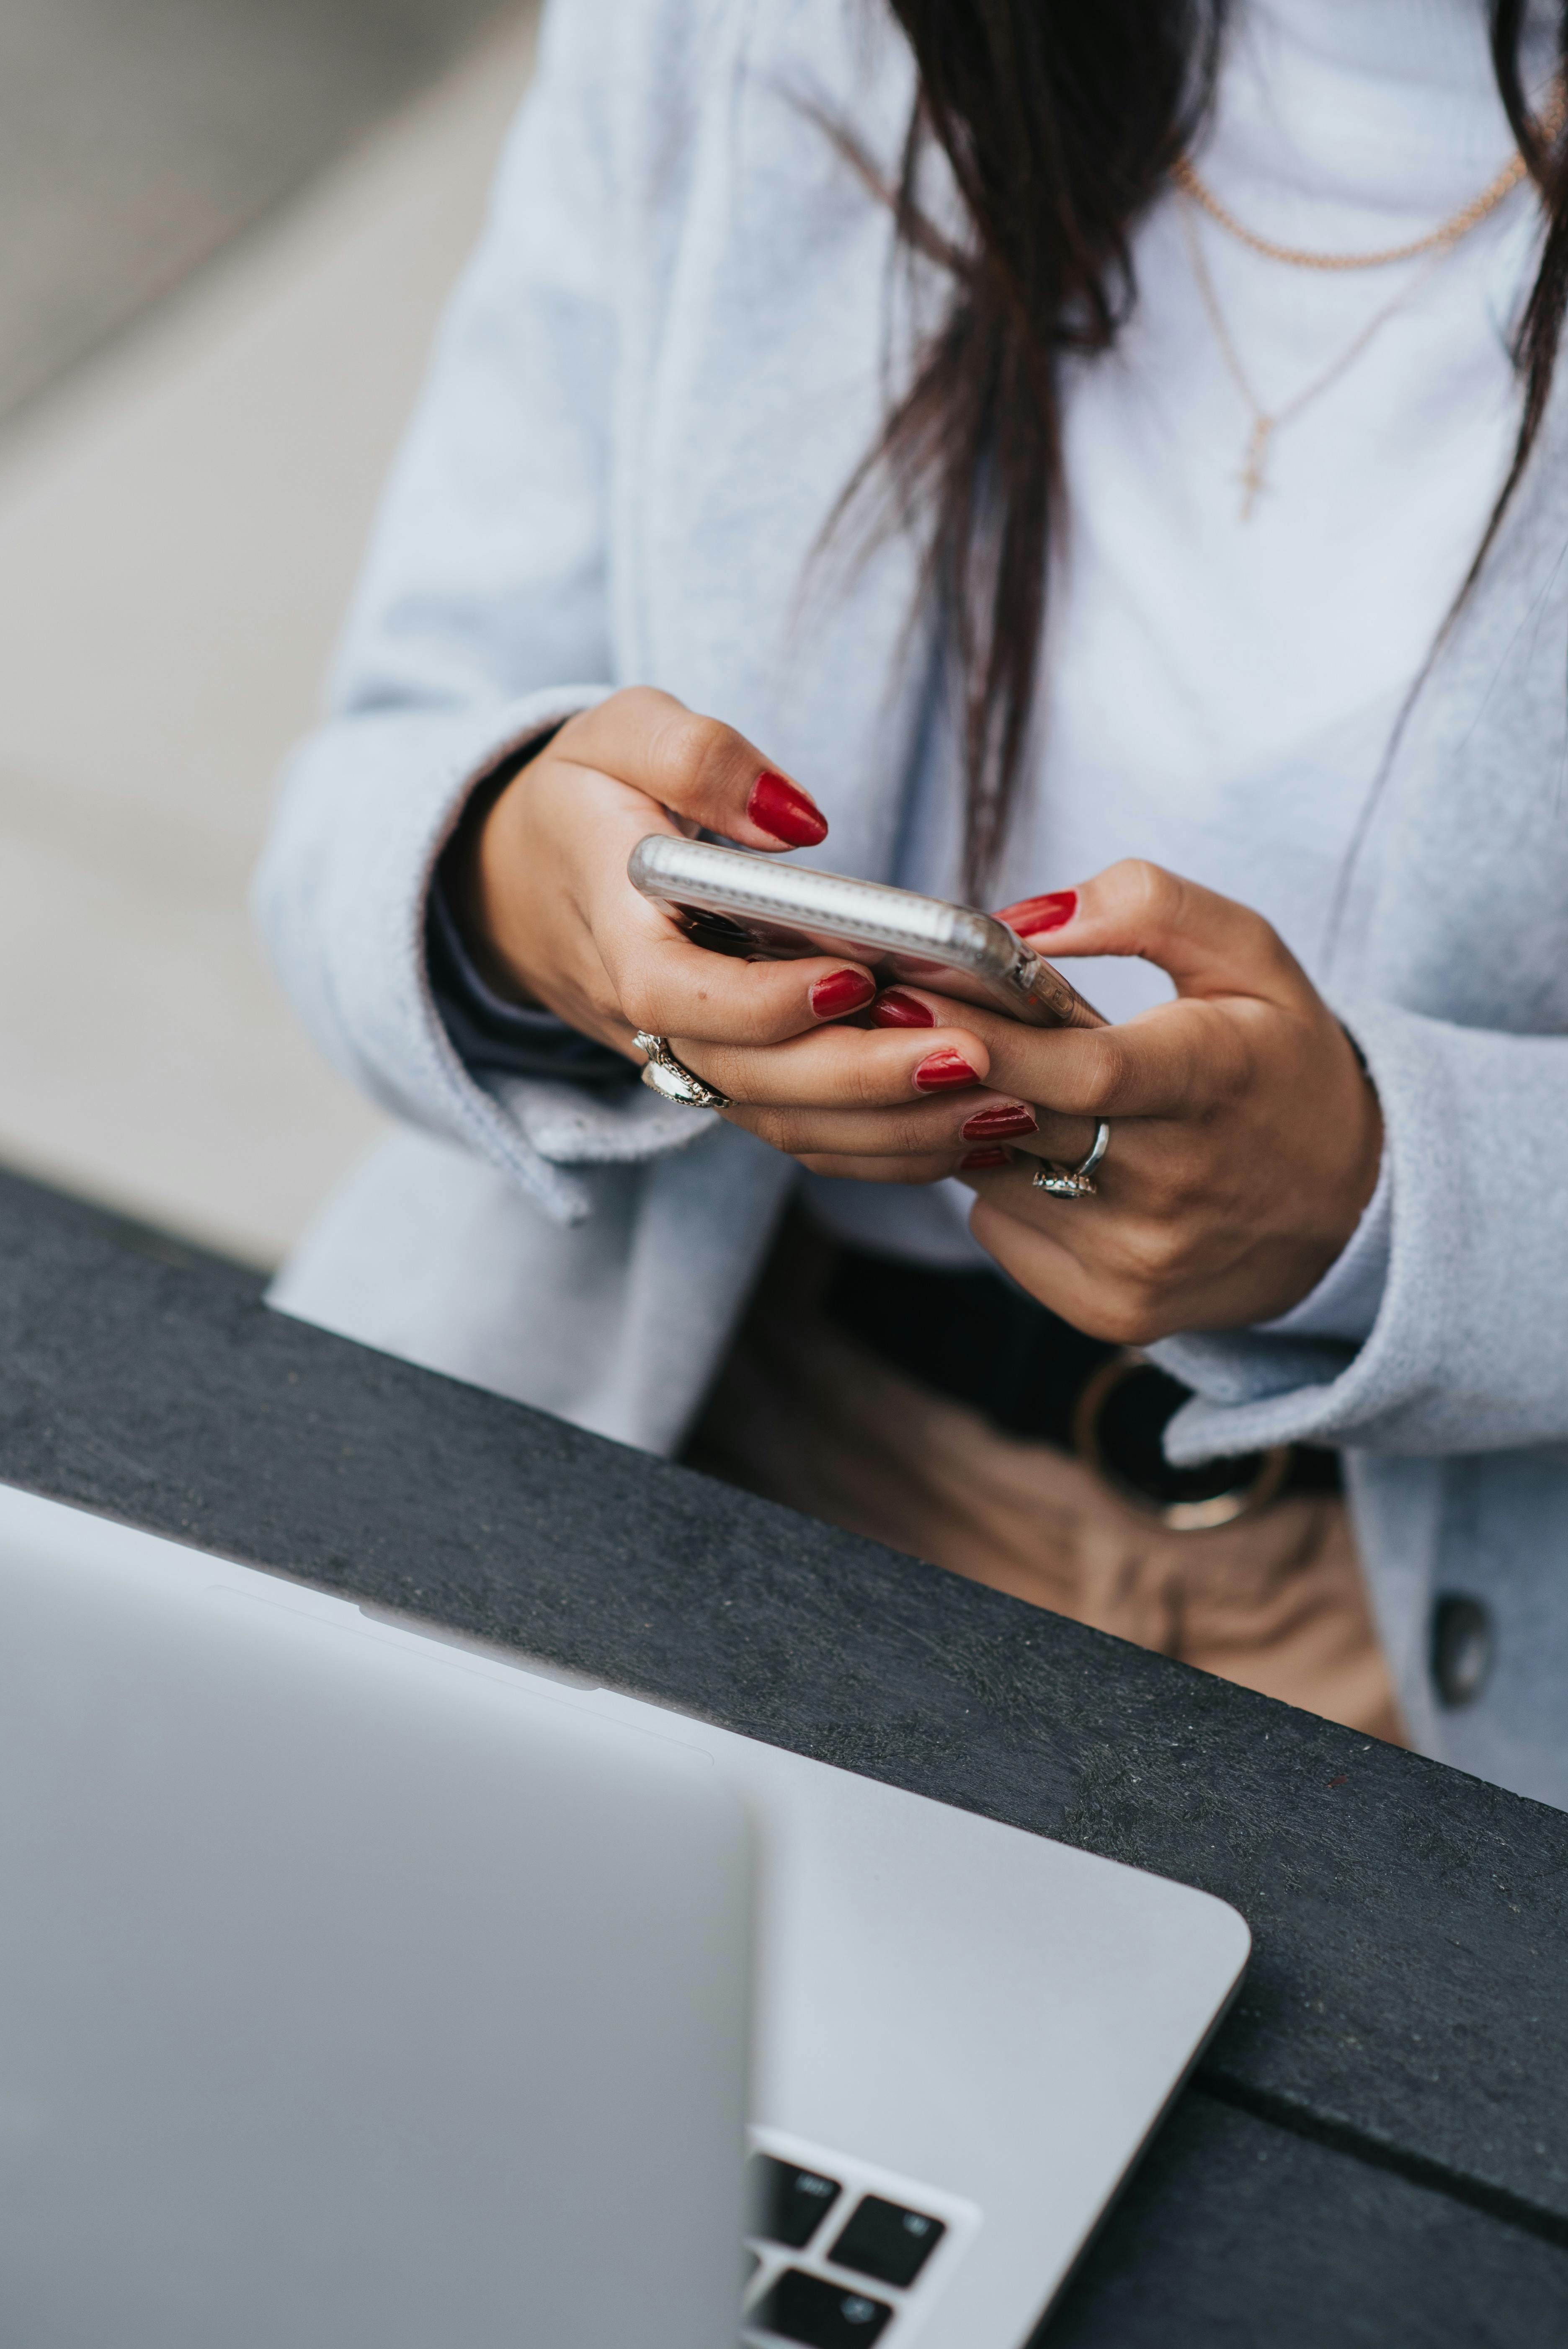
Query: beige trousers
(803, 1413)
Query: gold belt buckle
(1201, 1514)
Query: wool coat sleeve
(1459, 999)
(482, 621)
(1466, 1351)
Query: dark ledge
(1406, 2001)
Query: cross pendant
(1253, 474)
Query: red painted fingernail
(978, 1159)
(991, 1124)
(1031, 915)
(780, 808)
(897, 1009)
(841, 990)
(944, 1072)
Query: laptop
(362, 1986)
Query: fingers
(931, 1131)
(850, 1095)
(1209, 945)
(851, 1069)
(555, 851)
(695, 766)
(847, 1094)
(1100, 1271)
(1182, 1059)
(1082, 1257)
(1062, 1253)
(1042, 1262)
(1133, 1261)
(668, 986)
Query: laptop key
(823, 2316)
(886, 2241)
(788, 2203)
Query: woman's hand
(543, 896)
(544, 903)
(1245, 1138)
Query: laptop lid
(348, 1999)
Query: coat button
(1462, 1644)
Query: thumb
(1208, 945)
(694, 767)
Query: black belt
(975, 1337)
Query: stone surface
(1241, 2236)
(1405, 2002)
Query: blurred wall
(179, 519)
(138, 137)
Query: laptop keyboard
(884, 2241)
(861, 2253)
(802, 2307)
(788, 2203)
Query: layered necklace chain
(1438, 240)
(1253, 473)
(1436, 244)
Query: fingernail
(897, 1009)
(841, 990)
(944, 1072)
(1031, 915)
(991, 1124)
(978, 1159)
(777, 807)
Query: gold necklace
(1437, 240)
(1265, 423)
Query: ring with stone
(666, 1075)
(1074, 1182)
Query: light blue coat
(658, 372)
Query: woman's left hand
(1245, 1137)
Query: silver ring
(672, 1078)
(1074, 1182)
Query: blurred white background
(201, 397)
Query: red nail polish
(979, 1159)
(897, 1009)
(780, 808)
(944, 1072)
(840, 991)
(1031, 915)
(991, 1124)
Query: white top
(1220, 692)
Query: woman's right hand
(546, 904)
(547, 910)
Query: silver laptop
(361, 1989)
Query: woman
(1080, 490)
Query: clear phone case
(735, 902)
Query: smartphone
(736, 902)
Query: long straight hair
(1060, 121)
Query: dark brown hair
(1059, 120)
